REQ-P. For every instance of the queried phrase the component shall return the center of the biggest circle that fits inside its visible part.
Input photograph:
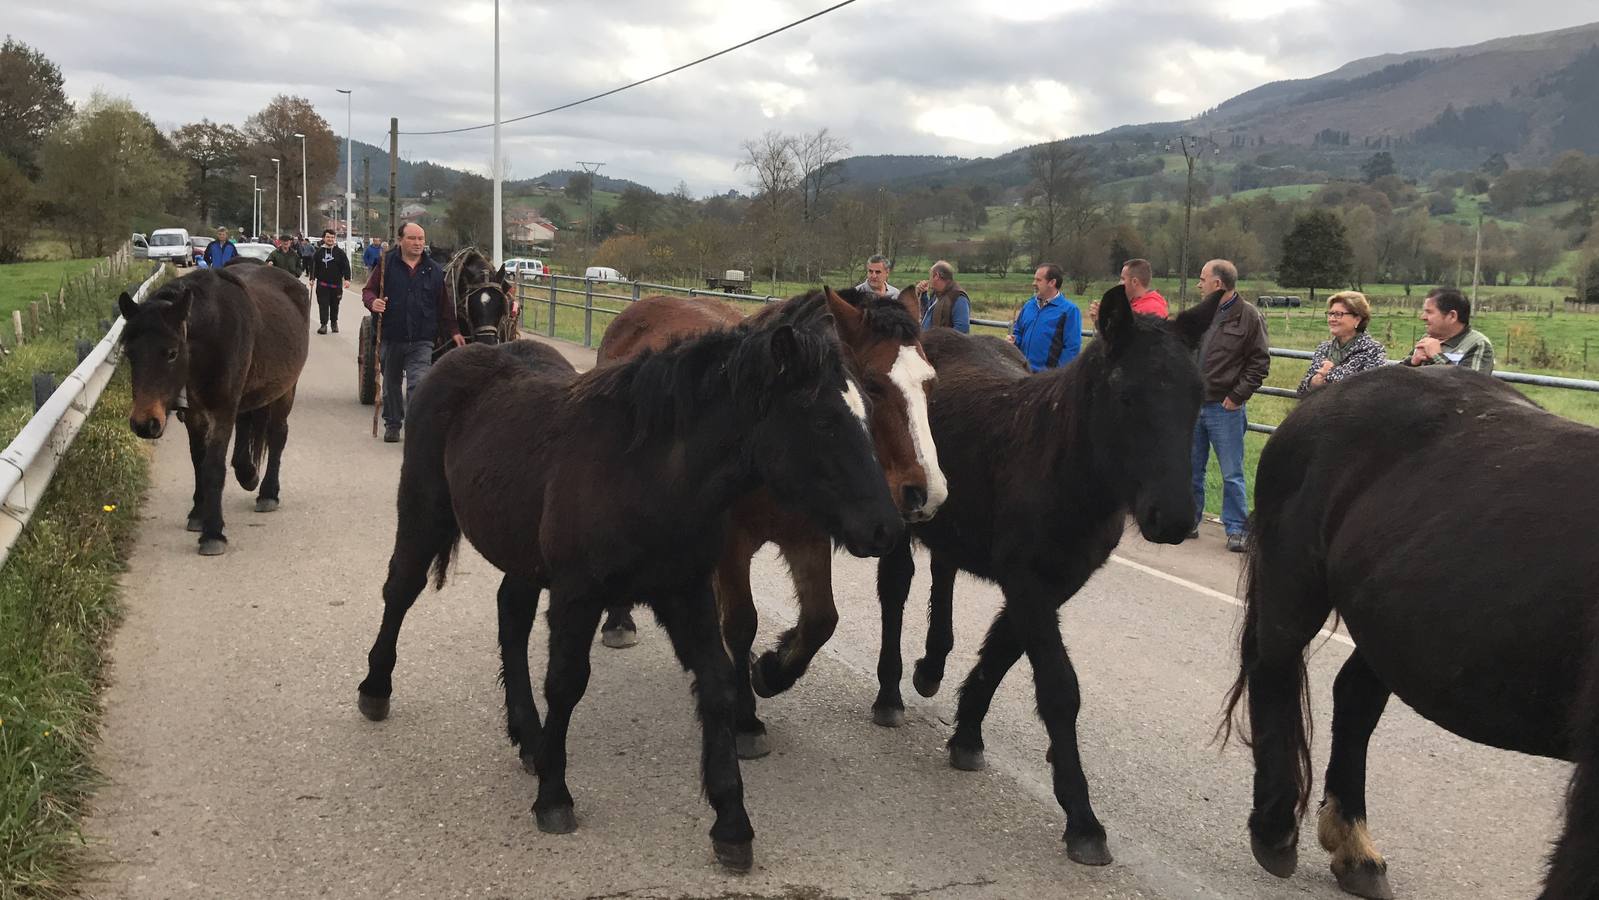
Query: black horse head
(155, 339)
(1144, 393)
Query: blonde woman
(1351, 350)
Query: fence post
(1508, 358)
(550, 330)
(16, 325)
(635, 292)
(588, 312)
(33, 318)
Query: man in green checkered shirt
(1450, 338)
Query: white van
(170, 245)
(525, 269)
(602, 273)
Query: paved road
(239, 767)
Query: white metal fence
(28, 464)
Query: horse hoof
(758, 680)
(195, 525)
(925, 686)
(888, 716)
(1279, 861)
(1366, 879)
(1088, 850)
(213, 547)
(266, 504)
(619, 638)
(558, 820)
(738, 858)
(375, 709)
(968, 760)
(753, 745)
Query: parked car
(170, 245)
(197, 245)
(141, 246)
(254, 250)
(525, 269)
(602, 273)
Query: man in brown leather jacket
(1233, 362)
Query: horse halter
(488, 328)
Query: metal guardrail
(637, 288)
(28, 464)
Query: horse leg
(739, 623)
(195, 425)
(929, 671)
(894, 572)
(518, 604)
(213, 474)
(1000, 650)
(1574, 864)
(277, 436)
(619, 632)
(690, 621)
(572, 624)
(1358, 701)
(1035, 620)
(1284, 612)
(810, 561)
(427, 531)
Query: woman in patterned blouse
(1351, 350)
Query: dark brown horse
(880, 338)
(484, 309)
(234, 339)
(617, 483)
(1449, 523)
(1043, 471)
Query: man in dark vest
(407, 289)
(330, 274)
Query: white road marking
(911, 374)
(1208, 592)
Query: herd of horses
(1443, 518)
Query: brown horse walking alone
(882, 349)
(234, 339)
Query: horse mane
(884, 317)
(663, 389)
(1071, 388)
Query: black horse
(1449, 522)
(617, 483)
(234, 339)
(1043, 470)
(484, 306)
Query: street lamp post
(277, 200)
(255, 196)
(499, 221)
(349, 164)
(305, 191)
(260, 211)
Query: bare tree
(776, 179)
(817, 157)
(1060, 197)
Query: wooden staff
(377, 344)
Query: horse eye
(172, 355)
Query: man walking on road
(218, 252)
(330, 272)
(285, 257)
(1233, 363)
(371, 255)
(408, 291)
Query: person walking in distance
(330, 273)
(409, 293)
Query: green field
(22, 283)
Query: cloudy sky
(963, 77)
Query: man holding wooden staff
(411, 301)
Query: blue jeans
(402, 363)
(1223, 429)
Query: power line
(543, 112)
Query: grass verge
(58, 605)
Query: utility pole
(499, 213)
(591, 172)
(394, 177)
(1476, 263)
(879, 250)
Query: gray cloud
(964, 77)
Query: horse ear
(126, 306)
(785, 348)
(848, 315)
(854, 297)
(1115, 316)
(503, 277)
(1192, 324)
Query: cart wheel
(366, 364)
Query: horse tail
(428, 529)
(249, 445)
(1574, 863)
(1249, 665)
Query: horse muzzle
(147, 426)
(489, 336)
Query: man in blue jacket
(218, 252)
(1049, 329)
(371, 255)
(409, 293)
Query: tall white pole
(255, 196)
(305, 192)
(499, 215)
(277, 202)
(349, 165)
